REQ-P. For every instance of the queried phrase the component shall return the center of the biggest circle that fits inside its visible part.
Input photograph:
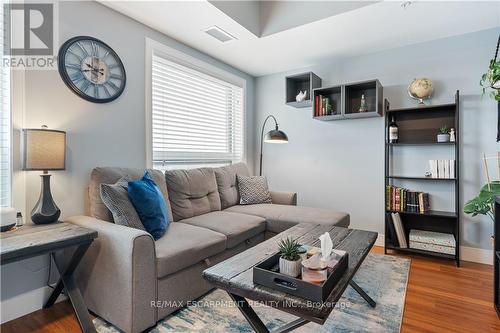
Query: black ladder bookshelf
(418, 126)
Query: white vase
(290, 268)
(443, 137)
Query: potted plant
(443, 134)
(290, 261)
(482, 204)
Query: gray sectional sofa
(132, 281)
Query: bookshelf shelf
(421, 144)
(418, 126)
(300, 82)
(345, 101)
(421, 252)
(430, 213)
(421, 178)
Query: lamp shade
(276, 136)
(44, 149)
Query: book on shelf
(400, 232)
(391, 230)
(316, 106)
(403, 200)
(442, 168)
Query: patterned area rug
(384, 278)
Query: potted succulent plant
(290, 261)
(443, 134)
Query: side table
(34, 240)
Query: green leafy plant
(289, 249)
(490, 81)
(483, 203)
(443, 130)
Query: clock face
(91, 69)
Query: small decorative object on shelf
(421, 89)
(290, 260)
(393, 131)
(443, 134)
(452, 135)
(428, 174)
(363, 107)
(19, 219)
(301, 96)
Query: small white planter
(443, 137)
(290, 268)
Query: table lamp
(44, 149)
(273, 136)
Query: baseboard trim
(472, 254)
(25, 303)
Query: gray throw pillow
(253, 190)
(115, 197)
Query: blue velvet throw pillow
(150, 205)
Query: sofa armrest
(284, 198)
(117, 276)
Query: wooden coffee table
(235, 275)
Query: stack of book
(396, 230)
(442, 168)
(432, 241)
(399, 199)
(322, 106)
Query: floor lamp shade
(45, 150)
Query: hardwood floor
(440, 298)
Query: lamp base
(45, 210)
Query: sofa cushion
(192, 192)
(237, 227)
(110, 175)
(146, 197)
(282, 217)
(115, 197)
(253, 190)
(184, 245)
(227, 183)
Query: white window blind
(197, 119)
(5, 123)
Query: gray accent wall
(111, 134)
(340, 164)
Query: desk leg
(66, 281)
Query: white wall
(111, 134)
(340, 164)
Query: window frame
(155, 48)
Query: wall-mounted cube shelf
(345, 101)
(300, 82)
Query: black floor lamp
(273, 136)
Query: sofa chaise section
(281, 217)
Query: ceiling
(277, 36)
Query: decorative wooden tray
(266, 273)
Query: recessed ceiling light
(219, 34)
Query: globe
(421, 89)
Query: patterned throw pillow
(115, 197)
(253, 190)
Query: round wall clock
(91, 69)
